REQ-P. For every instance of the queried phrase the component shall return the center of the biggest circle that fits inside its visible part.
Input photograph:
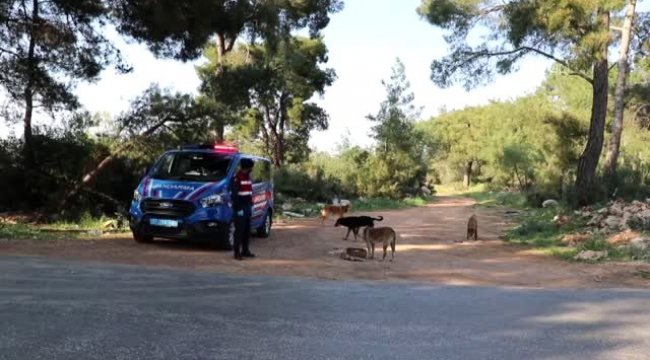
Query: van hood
(181, 190)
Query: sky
(364, 41)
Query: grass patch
(387, 204)
(483, 196)
(536, 229)
(308, 209)
(31, 232)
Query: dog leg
(347, 234)
(355, 231)
(385, 248)
(373, 250)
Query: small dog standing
(332, 210)
(354, 223)
(385, 235)
(472, 228)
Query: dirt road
(426, 251)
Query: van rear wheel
(265, 230)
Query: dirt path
(426, 251)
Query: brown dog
(472, 228)
(332, 210)
(385, 235)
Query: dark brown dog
(354, 223)
(472, 228)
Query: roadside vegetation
(77, 170)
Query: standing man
(242, 203)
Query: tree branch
(537, 51)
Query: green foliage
(294, 181)
(573, 33)
(46, 47)
(23, 232)
(272, 88)
(180, 29)
(396, 167)
(570, 32)
(511, 199)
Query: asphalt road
(58, 310)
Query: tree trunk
(467, 175)
(222, 49)
(588, 161)
(613, 149)
(28, 147)
(92, 175)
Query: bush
(293, 181)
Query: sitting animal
(472, 228)
(354, 223)
(385, 235)
(328, 210)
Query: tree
(276, 85)
(613, 149)
(154, 113)
(45, 47)
(397, 163)
(572, 33)
(181, 29)
(394, 121)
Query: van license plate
(164, 222)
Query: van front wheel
(140, 238)
(227, 236)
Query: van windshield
(192, 166)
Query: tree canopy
(573, 33)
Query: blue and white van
(186, 195)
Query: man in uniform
(242, 203)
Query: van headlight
(212, 200)
(136, 196)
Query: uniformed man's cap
(247, 163)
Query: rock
(591, 255)
(347, 257)
(550, 203)
(293, 214)
(336, 252)
(602, 211)
(357, 252)
(425, 190)
(640, 243)
(616, 209)
(612, 223)
(287, 206)
(345, 202)
(645, 214)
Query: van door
(262, 191)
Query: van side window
(261, 171)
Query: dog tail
(379, 218)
